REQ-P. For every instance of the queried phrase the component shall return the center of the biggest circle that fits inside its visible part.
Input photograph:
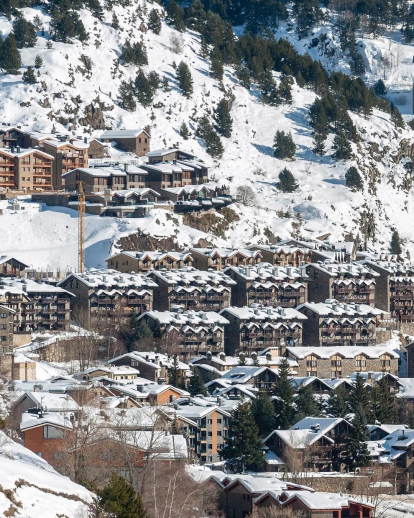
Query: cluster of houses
(53, 166)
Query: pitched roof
(126, 133)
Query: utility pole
(81, 228)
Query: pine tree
(396, 117)
(359, 397)
(287, 182)
(28, 76)
(184, 131)
(96, 8)
(126, 98)
(174, 373)
(243, 444)
(353, 179)
(10, 60)
(119, 499)
(135, 54)
(213, 143)
(38, 62)
(342, 146)
(283, 146)
(216, 69)
(284, 91)
(165, 85)
(204, 51)
(196, 385)
(115, 22)
(283, 391)
(383, 407)
(319, 143)
(25, 33)
(395, 246)
(263, 413)
(379, 88)
(358, 450)
(185, 81)
(338, 405)
(222, 117)
(142, 89)
(243, 75)
(175, 15)
(154, 21)
(66, 25)
(306, 404)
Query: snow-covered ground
(37, 490)
(323, 201)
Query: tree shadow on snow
(265, 150)
(334, 181)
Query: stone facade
(132, 141)
(67, 156)
(220, 258)
(145, 261)
(284, 255)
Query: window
(3, 326)
(311, 361)
(3, 338)
(336, 361)
(210, 421)
(51, 432)
(210, 434)
(3, 315)
(219, 434)
(218, 421)
(360, 362)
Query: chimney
(126, 168)
(85, 140)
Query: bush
(287, 182)
(246, 195)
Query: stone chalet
(67, 156)
(11, 267)
(136, 141)
(395, 288)
(340, 362)
(98, 149)
(332, 323)
(26, 169)
(314, 440)
(151, 366)
(145, 261)
(220, 258)
(284, 255)
(341, 251)
(255, 328)
(261, 378)
(98, 179)
(190, 333)
(166, 175)
(191, 289)
(197, 197)
(268, 285)
(168, 155)
(341, 281)
(38, 306)
(107, 297)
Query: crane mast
(81, 228)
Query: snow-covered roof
(6, 258)
(51, 402)
(334, 308)
(188, 189)
(28, 286)
(77, 144)
(192, 318)
(126, 193)
(94, 278)
(344, 351)
(126, 133)
(156, 360)
(244, 373)
(226, 252)
(394, 268)
(344, 269)
(263, 313)
(268, 272)
(58, 419)
(24, 152)
(162, 152)
(153, 255)
(189, 275)
(194, 412)
(406, 390)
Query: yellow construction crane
(81, 228)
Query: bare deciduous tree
(246, 195)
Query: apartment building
(6, 329)
(333, 323)
(136, 141)
(164, 175)
(219, 258)
(343, 282)
(254, 328)
(106, 298)
(38, 306)
(145, 261)
(284, 255)
(395, 288)
(67, 155)
(25, 169)
(98, 179)
(268, 285)
(189, 333)
(339, 362)
(191, 289)
(206, 428)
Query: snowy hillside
(31, 488)
(65, 90)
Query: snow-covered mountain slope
(65, 89)
(31, 488)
